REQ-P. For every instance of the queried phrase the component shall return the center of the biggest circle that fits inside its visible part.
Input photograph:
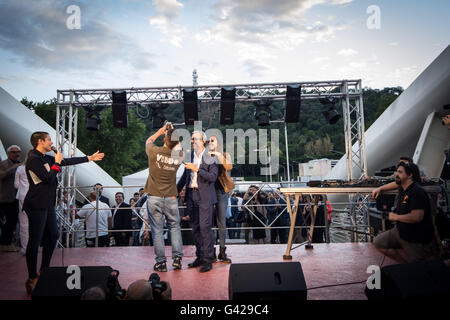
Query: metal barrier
(348, 225)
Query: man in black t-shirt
(414, 231)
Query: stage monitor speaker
(190, 106)
(53, 281)
(227, 104)
(120, 109)
(293, 103)
(266, 281)
(428, 279)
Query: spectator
(278, 204)
(90, 212)
(99, 187)
(94, 293)
(134, 221)
(258, 217)
(121, 220)
(21, 184)
(8, 202)
(142, 290)
(139, 290)
(186, 235)
(136, 197)
(231, 222)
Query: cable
(337, 285)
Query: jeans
(159, 208)
(221, 214)
(42, 226)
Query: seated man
(414, 231)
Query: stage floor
(326, 264)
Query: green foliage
(311, 138)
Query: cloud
(278, 24)
(36, 31)
(167, 12)
(347, 52)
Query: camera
(157, 285)
(113, 289)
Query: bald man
(139, 290)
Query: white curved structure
(17, 123)
(403, 128)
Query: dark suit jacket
(122, 218)
(272, 212)
(206, 177)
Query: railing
(345, 225)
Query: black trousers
(41, 226)
(11, 213)
(102, 241)
(122, 241)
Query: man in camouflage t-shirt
(162, 203)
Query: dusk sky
(134, 43)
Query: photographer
(259, 211)
(152, 289)
(414, 231)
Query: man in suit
(121, 217)
(199, 177)
(277, 205)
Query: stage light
(262, 112)
(227, 104)
(93, 117)
(190, 106)
(120, 109)
(158, 116)
(293, 103)
(330, 113)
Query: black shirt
(42, 179)
(414, 197)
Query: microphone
(54, 149)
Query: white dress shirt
(197, 161)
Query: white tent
(137, 180)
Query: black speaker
(190, 106)
(120, 109)
(293, 103)
(227, 104)
(428, 279)
(266, 281)
(52, 282)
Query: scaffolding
(349, 92)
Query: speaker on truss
(120, 109)
(227, 105)
(293, 103)
(190, 100)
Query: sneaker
(160, 266)
(176, 263)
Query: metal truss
(70, 100)
(244, 92)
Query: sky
(46, 45)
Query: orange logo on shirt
(404, 199)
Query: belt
(194, 188)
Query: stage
(326, 264)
